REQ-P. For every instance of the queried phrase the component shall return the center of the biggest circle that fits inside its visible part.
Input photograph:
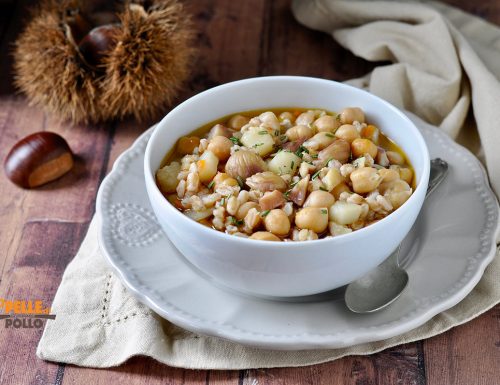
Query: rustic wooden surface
(41, 230)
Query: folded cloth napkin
(443, 59)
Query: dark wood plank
(288, 48)
(144, 370)
(399, 365)
(227, 32)
(468, 354)
(35, 275)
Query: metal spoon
(384, 284)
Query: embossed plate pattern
(450, 245)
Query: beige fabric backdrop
(444, 60)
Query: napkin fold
(444, 61)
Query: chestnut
(98, 43)
(37, 159)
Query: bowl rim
(155, 191)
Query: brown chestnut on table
(37, 159)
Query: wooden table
(41, 230)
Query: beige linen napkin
(440, 56)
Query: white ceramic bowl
(284, 269)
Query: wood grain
(400, 365)
(41, 230)
(467, 354)
(35, 275)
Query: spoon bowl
(383, 285)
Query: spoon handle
(439, 169)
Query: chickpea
(388, 175)
(359, 147)
(339, 189)
(397, 185)
(396, 192)
(265, 236)
(277, 222)
(221, 147)
(305, 118)
(347, 132)
(319, 198)
(326, 123)
(245, 208)
(320, 141)
(370, 132)
(339, 150)
(312, 218)
(299, 132)
(270, 120)
(406, 174)
(365, 180)
(286, 116)
(237, 121)
(395, 158)
(222, 178)
(187, 144)
(352, 114)
(220, 130)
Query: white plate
(448, 249)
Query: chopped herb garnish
(315, 175)
(234, 139)
(292, 164)
(235, 221)
(222, 201)
(324, 211)
(337, 117)
(264, 213)
(329, 135)
(276, 132)
(211, 184)
(263, 132)
(283, 138)
(314, 156)
(300, 151)
(287, 194)
(240, 181)
(293, 184)
(257, 145)
(322, 188)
